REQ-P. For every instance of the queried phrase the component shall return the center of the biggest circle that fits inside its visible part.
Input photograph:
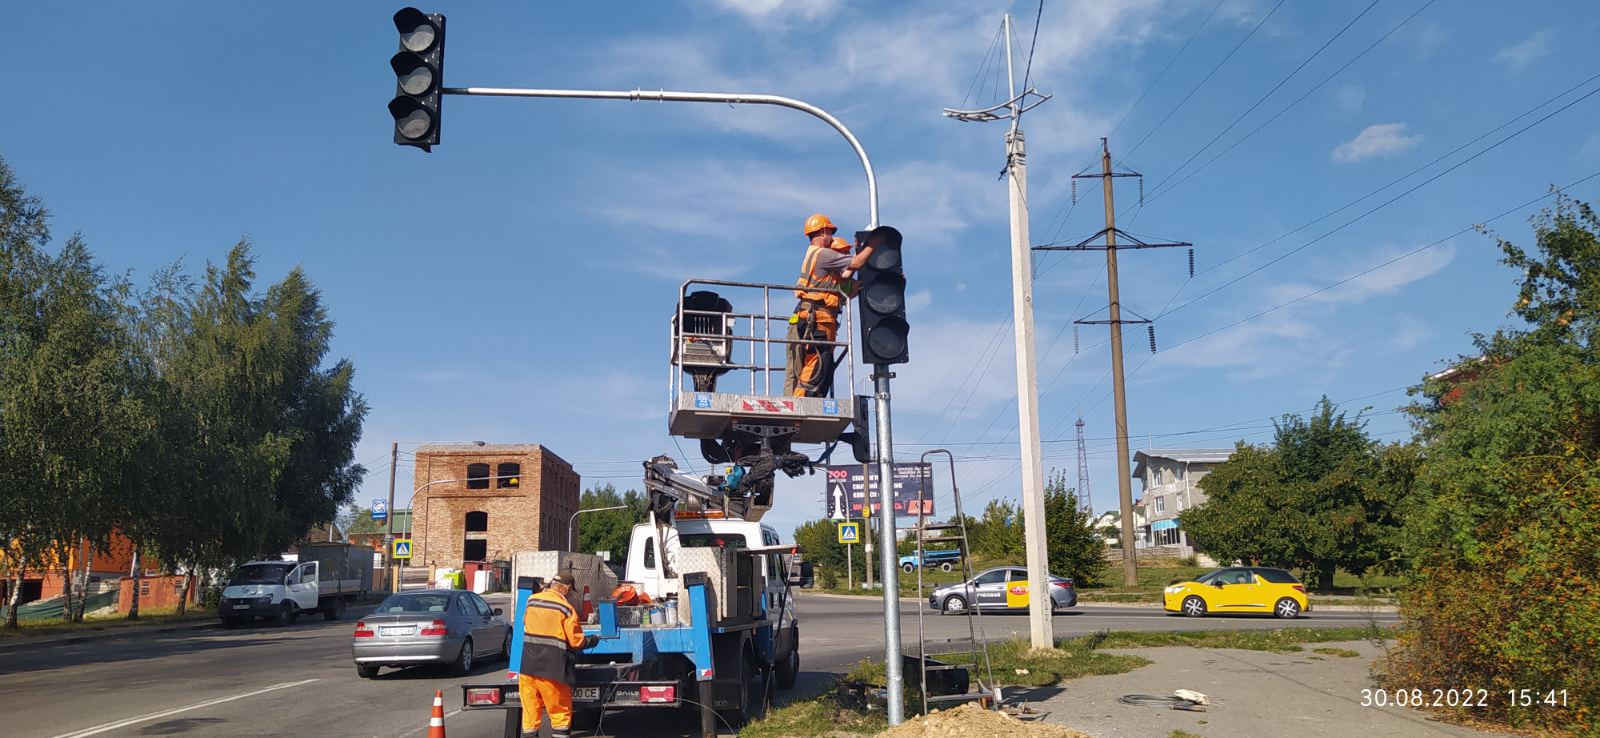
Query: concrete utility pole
(388, 536)
(1040, 626)
(1130, 571)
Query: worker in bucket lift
(550, 636)
(828, 266)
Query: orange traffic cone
(436, 723)
(588, 604)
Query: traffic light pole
(888, 552)
(890, 565)
(728, 98)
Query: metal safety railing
(710, 339)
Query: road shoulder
(1253, 693)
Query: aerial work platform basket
(723, 328)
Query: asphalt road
(299, 681)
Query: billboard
(846, 493)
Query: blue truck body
(931, 558)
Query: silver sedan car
(987, 591)
(434, 626)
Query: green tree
(819, 543)
(1323, 497)
(255, 434)
(69, 405)
(1075, 549)
(1507, 509)
(998, 533)
(609, 530)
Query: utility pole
(1040, 626)
(388, 536)
(1083, 474)
(1130, 571)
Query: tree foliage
(1323, 496)
(1503, 542)
(197, 417)
(609, 530)
(1075, 550)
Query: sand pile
(972, 720)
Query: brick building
(484, 503)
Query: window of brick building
(477, 476)
(477, 522)
(508, 475)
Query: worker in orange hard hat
(550, 636)
(825, 284)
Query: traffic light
(419, 78)
(883, 299)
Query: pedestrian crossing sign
(402, 548)
(849, 533)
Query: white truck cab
(327, 577)
(644, 567)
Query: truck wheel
(737, 658)
(788, 670)
(463, 662)
(285, 614)
(908, 568)
(947, 567)
(366, 671)
(333, 609)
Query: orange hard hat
(840, 244)
(818, 222)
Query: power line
(1275, 88)
(1029, 69)
(1381, 206)
(1164, 69)
(1168, 186)
(1206, 78)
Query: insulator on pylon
(1191, 261)
(1074, 338)
(1141, 190)
(1074, 192)
(1152, 329)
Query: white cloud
(1349, 97)
(1384, 281)
(917, 302)
(1383, 139)
(769, 12)
(1520, 55)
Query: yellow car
(1239, 589)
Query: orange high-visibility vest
(812, 283)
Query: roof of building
(488, 449)
(1185, 455)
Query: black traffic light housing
(419, 78)
(882, 300)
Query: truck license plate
(399, 631)
(241, 607)
(586, 694)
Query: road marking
(98, 729)
(447, 716)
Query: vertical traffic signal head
(419, 78)
(883, 299)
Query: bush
(1189, 561)
(829, 579)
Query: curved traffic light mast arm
(732, 98)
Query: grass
(1014, 663)
(1183, 734)
(148, 617)
(1286, 640)
(1343, 653)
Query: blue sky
(513, 286)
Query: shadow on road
(102, 650)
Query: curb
(20, 642)
(1315, 607)
(23, 641)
